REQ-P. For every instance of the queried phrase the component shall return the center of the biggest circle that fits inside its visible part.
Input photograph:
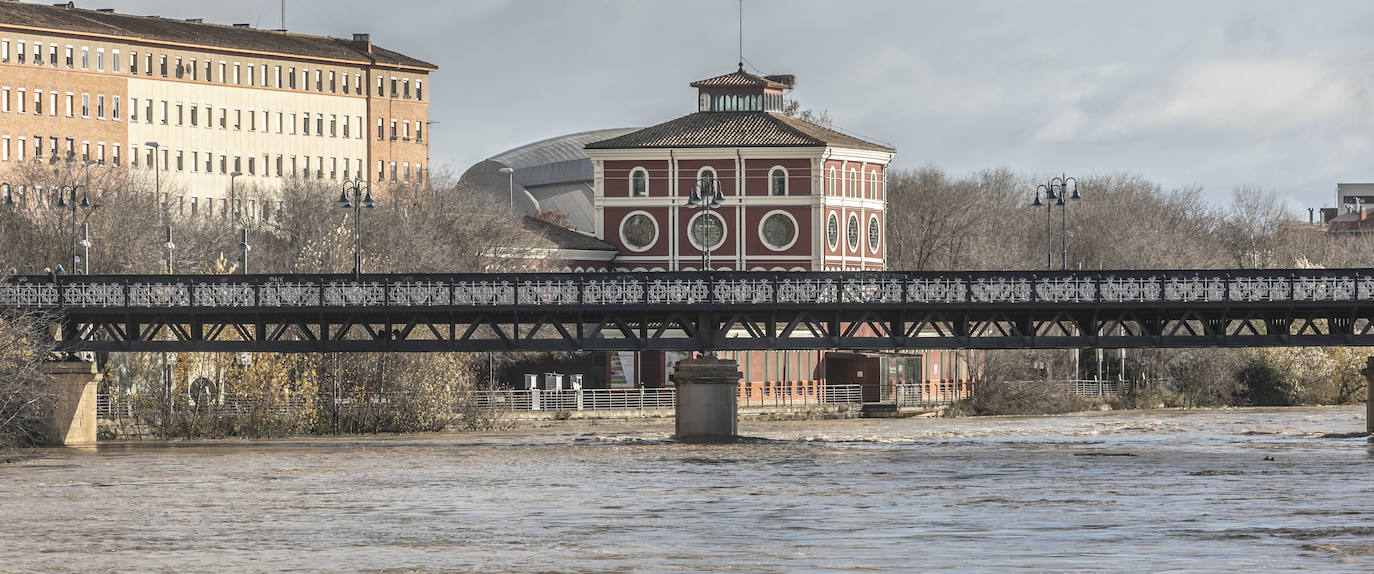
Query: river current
(1158, 491)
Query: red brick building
(797, 196)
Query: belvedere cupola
(741, 91)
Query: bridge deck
(696, 310)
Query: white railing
(932, 393)
(580, 400)
(784, 394)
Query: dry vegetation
(984, 221)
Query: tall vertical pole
(1049, 237)
(86, 249)
(75, 266)
(243, 252)
(1064, 232)
(357, 233)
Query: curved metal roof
(554, 150)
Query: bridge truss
(698, 310)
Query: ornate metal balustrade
(722, 310)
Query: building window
(638, 231)
(100, 106)
(291, 78)
(52, 54)
(852, 232)
(181, 113)
(181, 161)
(319, 125)
(831, 182)
(69, 57)
(854, 187)
(419, 90)
(148, 111)
(778, 230)
(777, 181)
(873, 185)
(706, 179)
(236, 73)
(393, 172)
(85, 58)
(405, 88)
(639, 182)
(333, 126)
(164, 112)
(832, 231)
(223, 118)
(393, 130)
(162, 65)
(223, 67)
(305, 124)
(5, 102)
(85, 105)
(345, 126)
(100, 60)
(319, 85)
(419, 131)
(380, 133)
(874, 234)
(333, 87)
(238, 119)
(114, 61)
(708, 230)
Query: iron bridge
(702, 310)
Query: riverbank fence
(781, 395)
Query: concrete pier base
(72, 421)
(707, 399)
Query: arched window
(832, 182)
(777, 181)
(873, 185)
(639, 182)
(854, 190)
(706, 180)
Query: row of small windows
(768, 102)
(23, 195)
(57, 148)
(851, 185)
(639, 181)
(18, 100)
(167, 113)
(852, 235)
(208, 70)
(54, 148)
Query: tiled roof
(736, 129)
(740, 78)
(152, 28)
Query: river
(1156, 491)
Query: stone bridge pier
(707, 399)
(1369, 398)
(72, 420)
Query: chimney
(363, 42)
(1311, 218)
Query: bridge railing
(679, 289)
(935, 393)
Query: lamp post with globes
(362, 198)
(705, 194)
(1056, 190)
(83, 204)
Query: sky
(1215, 94)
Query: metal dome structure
(549, 175)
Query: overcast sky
(1215, 94)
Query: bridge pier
(72, 420)
(707, 399)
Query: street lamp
(233, 199)
(1056, 190)
(706, 194)
(510, 185)
(85, 204)
(359, 201)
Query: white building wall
(251, 138)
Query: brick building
(79, 84)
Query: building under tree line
(80, 85)
(794, 196)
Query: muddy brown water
(1161, 491)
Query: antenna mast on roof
(283, 15)
(741, 35)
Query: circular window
(832, 231)
(874, 234)
(638, 231)
(852, 232)
(708, 231)
(778, 230)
